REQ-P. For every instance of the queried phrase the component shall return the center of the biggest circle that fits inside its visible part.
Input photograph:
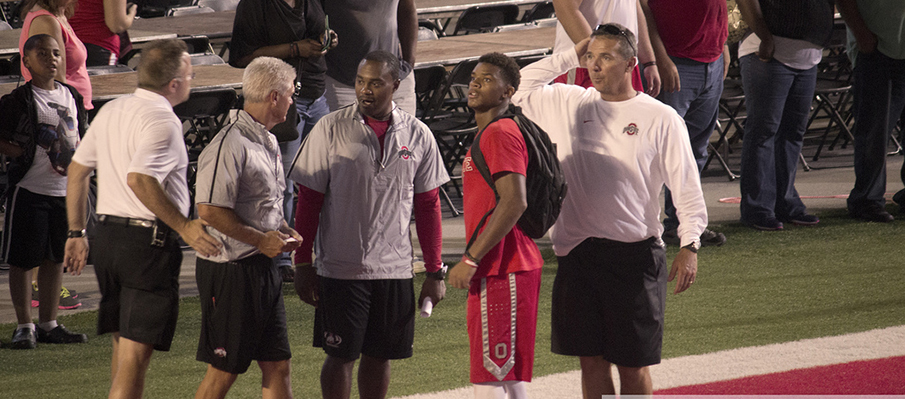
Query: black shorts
(242, 313)
(139, 284)
(609, 299)
(34, 229)
(371, 317)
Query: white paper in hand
(427, 307)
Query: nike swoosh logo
(588, 120)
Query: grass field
(759, 288)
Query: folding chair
(426, 34)
(427, 82)
(528, 60)
(206, 112)
(833, 99)
(518, 26)
(432, 26)
(219, 5)
(189, 10)
(480, 19)
(197, 44)
(452, 128)
(730, 118)
(542, 10)
(108, 69)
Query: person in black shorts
(40, 125)
(135, 142)
(239, 191)
(618, 147)
(361, 211)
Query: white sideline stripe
(729, 364)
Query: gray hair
(265, 75)
(628, 44)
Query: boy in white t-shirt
(41, 124)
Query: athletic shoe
(766, 224)
(23, 338)
(287, 274)
(709, 238)
(803, 220)
(60, 335)
(872, 213)
(68, 298)
(899, 198)
(671, 237)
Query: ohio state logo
(631, 129)
(404, 153)
(332, 339)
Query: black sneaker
(804, 219)
(287, 274)
(671, 237)
(710, 238)
(899, 198)
(766, 224)
(60, 335)
(872, 213)
(23, 338)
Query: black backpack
(545, 183)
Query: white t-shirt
(137, 133)
(793, 53)
(616, 156)
(596, 12)
(57, 139)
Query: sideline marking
(729, 364)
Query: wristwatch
(75, 233)
(694, 246)
(439, 274)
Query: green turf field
(759, 288)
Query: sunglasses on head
(614, 30)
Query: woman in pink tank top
(52, 17)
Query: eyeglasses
(189, 77)
(614, 30)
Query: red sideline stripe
(865, 377)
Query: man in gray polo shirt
(239, 191)
(364, 170)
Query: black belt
(134, 222)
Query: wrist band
(469, 262)
(293, 49)
(471, 257)
(649, 63)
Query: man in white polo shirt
(136, 145)
(364, 170)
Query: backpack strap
(477, 158)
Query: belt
(134, 222)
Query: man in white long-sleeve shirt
(618, 147)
